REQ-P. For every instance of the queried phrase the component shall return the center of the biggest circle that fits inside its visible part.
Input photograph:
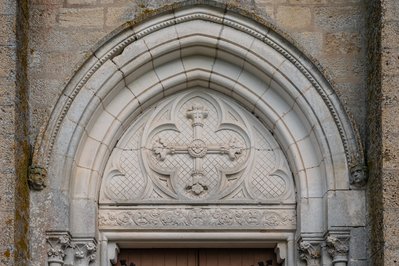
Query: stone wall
(14, 146)
(63, 33)
(383, 135)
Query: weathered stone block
(390, 33)
(346, 208)
(390, 61)
(81, 17)
(343, 43)
(390, 95)
(358, 252)
(294, 17)
(7, 62)
(311, 41)
(390, 9)
(312, 2)
(116, 16)
(349, 18)
(81, 2)
(7, 30)
(8, 7)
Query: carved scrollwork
(197, 217)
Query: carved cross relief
(198, 148)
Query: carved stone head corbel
(358, 177)
(37, 177)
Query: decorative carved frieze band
(338, 248)
(310, 252)
(197, 218)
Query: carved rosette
(310, 252)
(58, 243)
(84, 251)
(338, 248)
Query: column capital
(84, 250)
(338, 247)
(310, 252)
(57, 244)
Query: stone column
(338, 249)
(310, 252)
(58, 243)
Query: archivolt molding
(306, 121)
(353, 151)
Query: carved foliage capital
(57, 243)
(85, 250)
(310, 252)
(338, 247)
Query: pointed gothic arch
(217, 50)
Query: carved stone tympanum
(197, 146)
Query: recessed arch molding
(217, 50)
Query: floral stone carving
(197, 218)
(85, 250)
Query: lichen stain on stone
(7, 253)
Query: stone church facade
(266, 124)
